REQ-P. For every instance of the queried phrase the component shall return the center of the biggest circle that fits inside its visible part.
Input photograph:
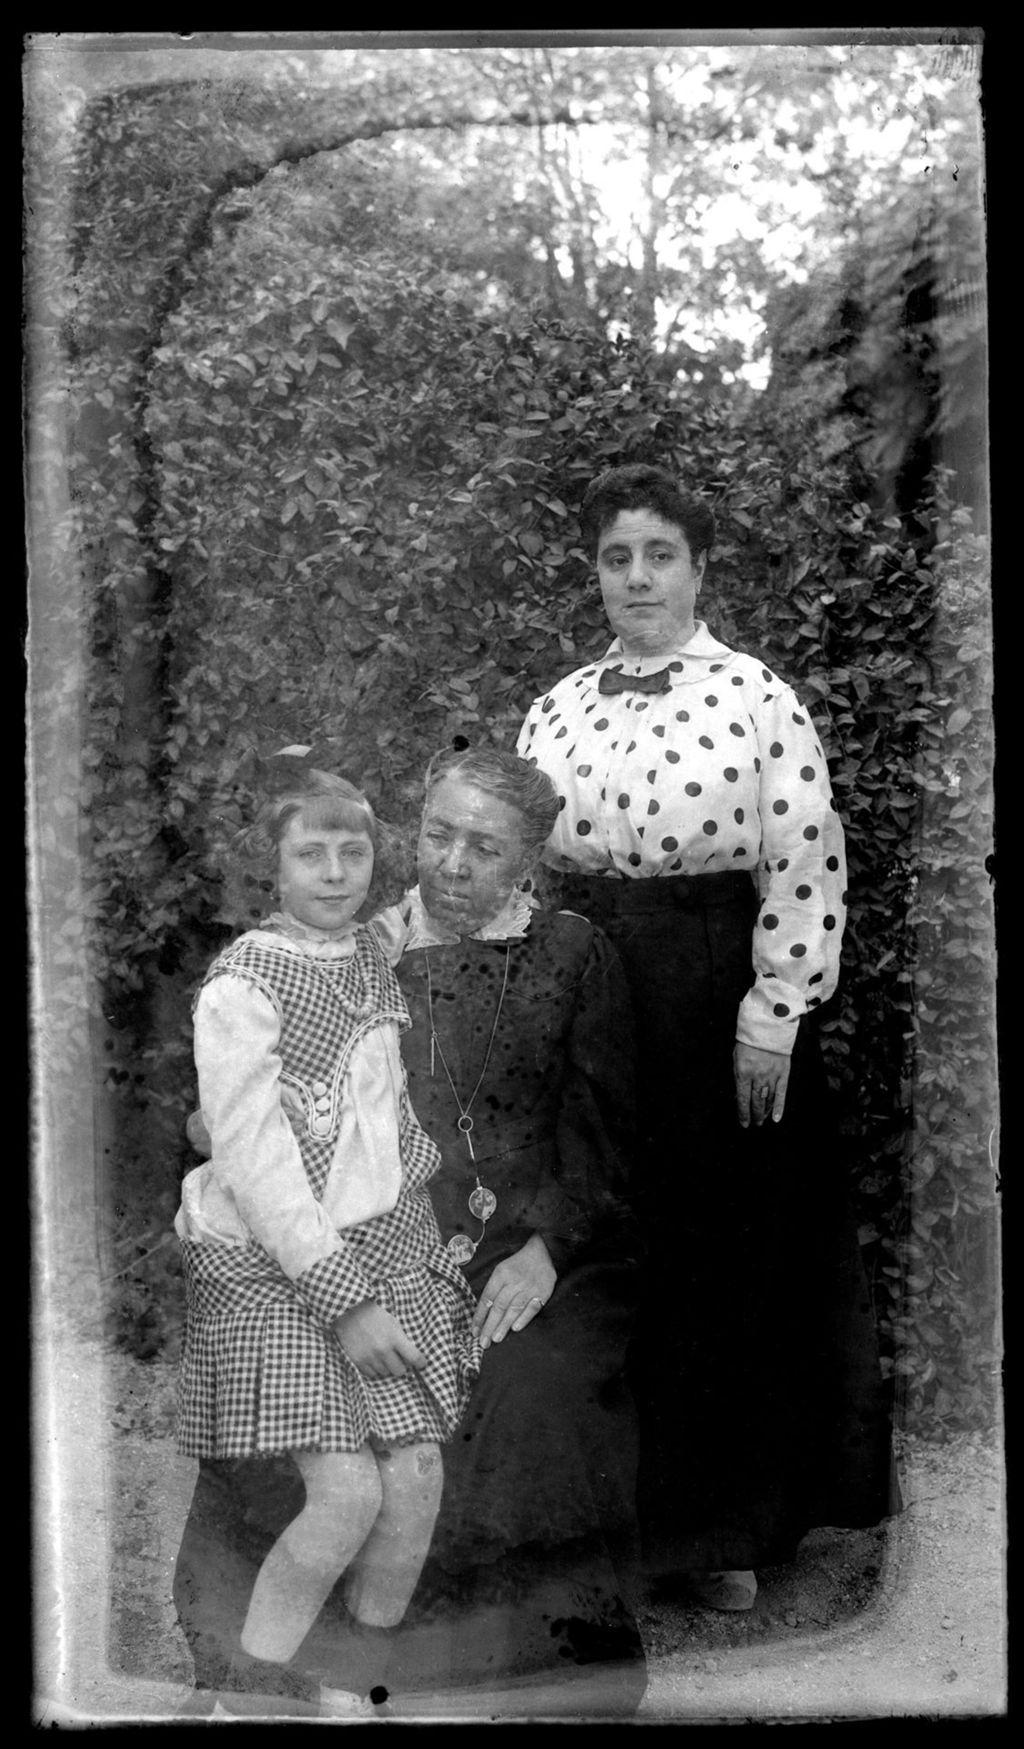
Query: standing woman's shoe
(728, 1590)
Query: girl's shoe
(730, 1590)
(230, 1704)
(257, 1687)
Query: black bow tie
(613, 680)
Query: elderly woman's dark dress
(533, 1556)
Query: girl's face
(323, 873)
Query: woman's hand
(516, 1291)
(376, 1342)
(198, 1134)
(761, 1081)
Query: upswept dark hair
(639, 486)
(524, 786)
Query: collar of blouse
(317, 943)
(509, 924)
(688, 662)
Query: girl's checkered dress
(261, 1369)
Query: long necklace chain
(482, 1201)
(465, 1120)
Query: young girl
(325, 1320)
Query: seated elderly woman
(519, 1064)
(519, 1061)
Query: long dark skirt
(534, 1559)
(754, 1362)
(534, 1562)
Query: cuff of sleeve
(559, 1249)
(333, 1284)
(757, 1025)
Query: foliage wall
(322, 486)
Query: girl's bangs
(335, 814)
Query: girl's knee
(343, 1491)
(412, 1477)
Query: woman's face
(323, 873)
(649, 582)
(470, 854)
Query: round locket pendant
(482, 1203)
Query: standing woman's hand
(761, 1081)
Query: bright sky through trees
(669, 188)
(886, 116)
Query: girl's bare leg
(383, 1578)
(343, 1498)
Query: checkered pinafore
(261, 1372)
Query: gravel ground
(906, 1619)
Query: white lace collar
(509, 924)
(319, 943)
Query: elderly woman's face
(649, 582)
(470, 854)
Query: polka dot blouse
(722, 771)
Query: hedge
(324, 492)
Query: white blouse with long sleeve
(723, 771)
(255, 1184)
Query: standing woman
(698, 830)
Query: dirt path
(904, 1620)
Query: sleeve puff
(801, 874)
(596, 1114)
(255, 1155)
(529, 729)
(391, 928)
